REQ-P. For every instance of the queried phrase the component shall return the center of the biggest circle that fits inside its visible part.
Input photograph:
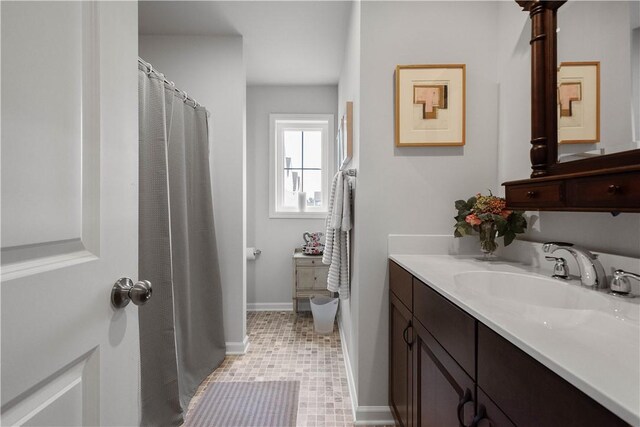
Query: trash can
(324, 313)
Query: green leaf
(517, 222)
(461, 204)
(498, 219)
(456, 233)
(472, 201)
(462, 215)
(508, 237)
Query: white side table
(309, 277)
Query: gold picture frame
(579, 102)
(430, 106)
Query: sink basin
(533, 298)
(525, 289)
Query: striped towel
(336, 252)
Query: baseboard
(269, 306)
(374, 416)
(362, 415)
(347, 365)
(236, 348)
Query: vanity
(498, 344)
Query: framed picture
(430, 105)
(579, 102)
(344, 137)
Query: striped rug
(247, 404)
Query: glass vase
(488, 244)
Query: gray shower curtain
(181, 329)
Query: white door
(69, 213)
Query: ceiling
(285, 42)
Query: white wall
(598, 231)
(349, 90)
(411, 189)
(269, 277)
(211, 69)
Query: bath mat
(247, 404)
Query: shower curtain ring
(150, 70)
(185, 96)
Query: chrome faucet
(591, 270)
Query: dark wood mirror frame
(609, 183)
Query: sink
(526, 289)
(541, 300)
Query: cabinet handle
(480, 416)
(466, 398)
(531, 194)
(613, 189)
(412, 339)
(404, 333)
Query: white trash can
(324, 313)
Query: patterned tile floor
(285, 348)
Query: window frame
(278, 124)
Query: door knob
(124, 290)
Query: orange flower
(473, 219)
(505, 213)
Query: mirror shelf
(609, 183)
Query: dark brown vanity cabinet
(427, 386)
(448, 369)
(400, 346)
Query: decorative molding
(269, 306)
(238, 348)
(41, 265)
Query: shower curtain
(181, 329)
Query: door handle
(124, 290)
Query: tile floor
(285, 348)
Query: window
(300, 165)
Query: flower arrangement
(488, 216)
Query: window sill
(298, 215)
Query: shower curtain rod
(184, 95)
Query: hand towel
(336, 252)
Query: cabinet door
(320, 278)
(531, 394)
(305, 277)
(443, 394)
(488, 414)
(400, 372)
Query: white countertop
(597, 350)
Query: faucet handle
(560, 269)
(620, 284)
(551, 246)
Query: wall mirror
(592, 162)
(598, 45)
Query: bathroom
(71, 209)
